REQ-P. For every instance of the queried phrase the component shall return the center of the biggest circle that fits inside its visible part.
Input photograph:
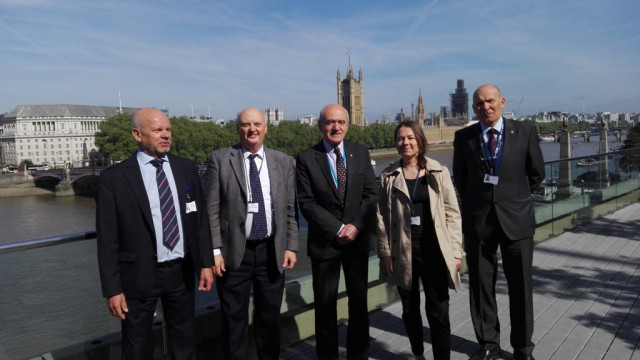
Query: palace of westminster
(64, 135)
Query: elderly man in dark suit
(250, 192)
(496, 164)
(153, 239)
(337, 193)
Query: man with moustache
(250, 191)
(497, 163)
(153, 239)
(337, 193)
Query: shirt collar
(498, 126)
(260, 153)
(329, 149)
(145, 158)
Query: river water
(39, 288)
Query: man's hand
(118, 306)
(206, 279)
(218, 268)
(458, 264)
(386, 265)
(290, 259)
(347, 234)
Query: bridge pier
(64, 188)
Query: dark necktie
(170, 230)
(341, 174)
(259, 224)
(493, 142)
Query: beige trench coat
(394, 221)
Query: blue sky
(545, 55)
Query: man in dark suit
(337, 193)
(250, 191)
(496, 164)
(153, 239)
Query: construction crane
(517, 110)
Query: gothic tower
(350, 95)
(421, 111)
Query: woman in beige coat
(420, 237)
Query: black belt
(254, 242)
(169, 263)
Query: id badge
(253, 208)
(191, 206)
(415, 220)
(490, 179)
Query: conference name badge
(490, 179)
(191, 206)
(253, 208)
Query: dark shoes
(487, 355)
(524, 357)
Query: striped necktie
(170, 230)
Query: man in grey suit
(250, 193)
(496, 164)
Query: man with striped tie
(153, 240)
(250, 192)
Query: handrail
(48, 241)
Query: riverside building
(57, 135)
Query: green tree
(631, 160)
(25, 162)
(114, 140)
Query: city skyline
(573, 56)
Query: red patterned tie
(170, 230)
(493, 142)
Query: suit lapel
(323, 163)
(272, 166)
(350, 161)
(180, 182)
(134, 178)
(236, 161)
(509, 143)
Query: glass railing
(51, 304)
(579, 190)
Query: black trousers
(326, 275)
(178, 304)
(427, 265)
(517, 259)
(260, 271)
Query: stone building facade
(57, 135)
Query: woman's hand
(458, 264)
(386, 265)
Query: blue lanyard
(492, 159)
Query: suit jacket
(127, 255)
(227, 202)
(521, 170)
(320, 204)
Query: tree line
(195, 140)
